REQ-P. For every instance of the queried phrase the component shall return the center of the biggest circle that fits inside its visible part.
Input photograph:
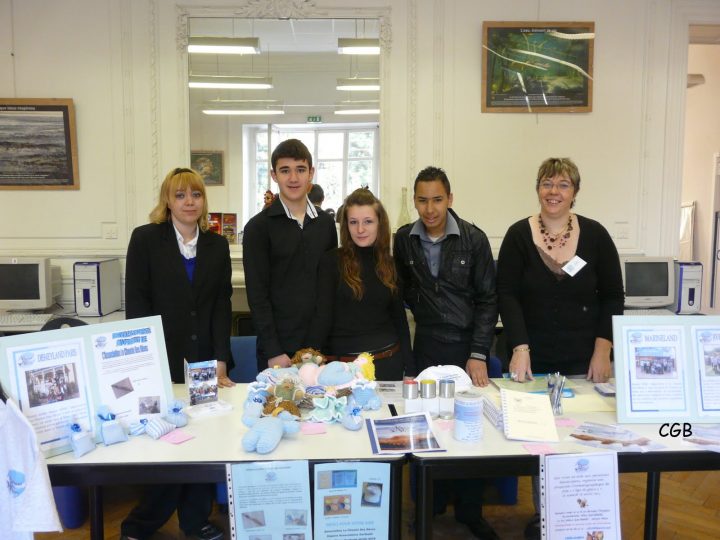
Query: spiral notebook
(527, 417)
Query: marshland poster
(537, 66)
(38, 147)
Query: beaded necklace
(560, 237)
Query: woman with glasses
(559, 284)
(179, 270)
(359, 306)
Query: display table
(217, 442)
(497, 456)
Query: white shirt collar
(188, 250)
(310, 210)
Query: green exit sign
(314, 119)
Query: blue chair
(244, 353)
(506, 486)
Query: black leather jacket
(460, 304)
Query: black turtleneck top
(343, 325)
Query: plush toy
(273, 404)
(352, 418)
(274, 375)
(303, 356)
(366, 397)
(288, 389)
(328, 409)
(175, 414)
(266, 431)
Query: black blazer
(196, 316)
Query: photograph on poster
(371, 494)
(537, 67)
(38, 148)
(51, 384)
(655, 362)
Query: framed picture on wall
(537, 66)
(209, 163)
(38, 147)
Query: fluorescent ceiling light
(358, 85)
(244, 112)
(224, 45)
(358, 46)
(225, 81)
(357, 111)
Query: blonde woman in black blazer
(179, 270)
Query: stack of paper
(527, 417)
(493, 409)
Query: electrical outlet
(110, 231)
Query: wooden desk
(217, 442)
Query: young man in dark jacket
(448, 273)
(282, 246)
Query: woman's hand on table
(520, 364)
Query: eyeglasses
(547, 185)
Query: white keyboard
(647, 312)
(12, 319)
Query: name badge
(574, 266)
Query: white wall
(124, 66)
(702, 141)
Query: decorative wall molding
(438, 79)
(412, 88)
(154, 96)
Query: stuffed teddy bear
(266, 431)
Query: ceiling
(299, 54)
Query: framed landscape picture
(537, 66)
(209, 163)
(38, 147)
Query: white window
(344, 160)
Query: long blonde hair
(179, 179)
(348, 260)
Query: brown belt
(383, 353)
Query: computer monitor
(649, 281)
(25, 283)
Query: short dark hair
(316, 195)
(431, 174)
(291, 148)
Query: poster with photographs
(269, 500)
(352, 500)
(667, 368)
(60, 377)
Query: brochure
(580, 496)
(215, 222)
(613, 437)
(705, 437)
(202, 385)
(667, 369)
(269, 499)
(402, 434)
(60, 377)
(352, 500)
(229, 227)
(527, 417)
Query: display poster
(402, 434)
(49, 381)
(706, 349)
(60, 377)
(667, 368)
(352, 500)
(579, 495)
(129, 375)
(269, 500)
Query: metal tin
(410, 390)
(428, 389)
(447, 388)
(468, 417)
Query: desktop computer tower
(97, 287)
(688, 287)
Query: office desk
(217, 442)
(110, 317)
(496, 456)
